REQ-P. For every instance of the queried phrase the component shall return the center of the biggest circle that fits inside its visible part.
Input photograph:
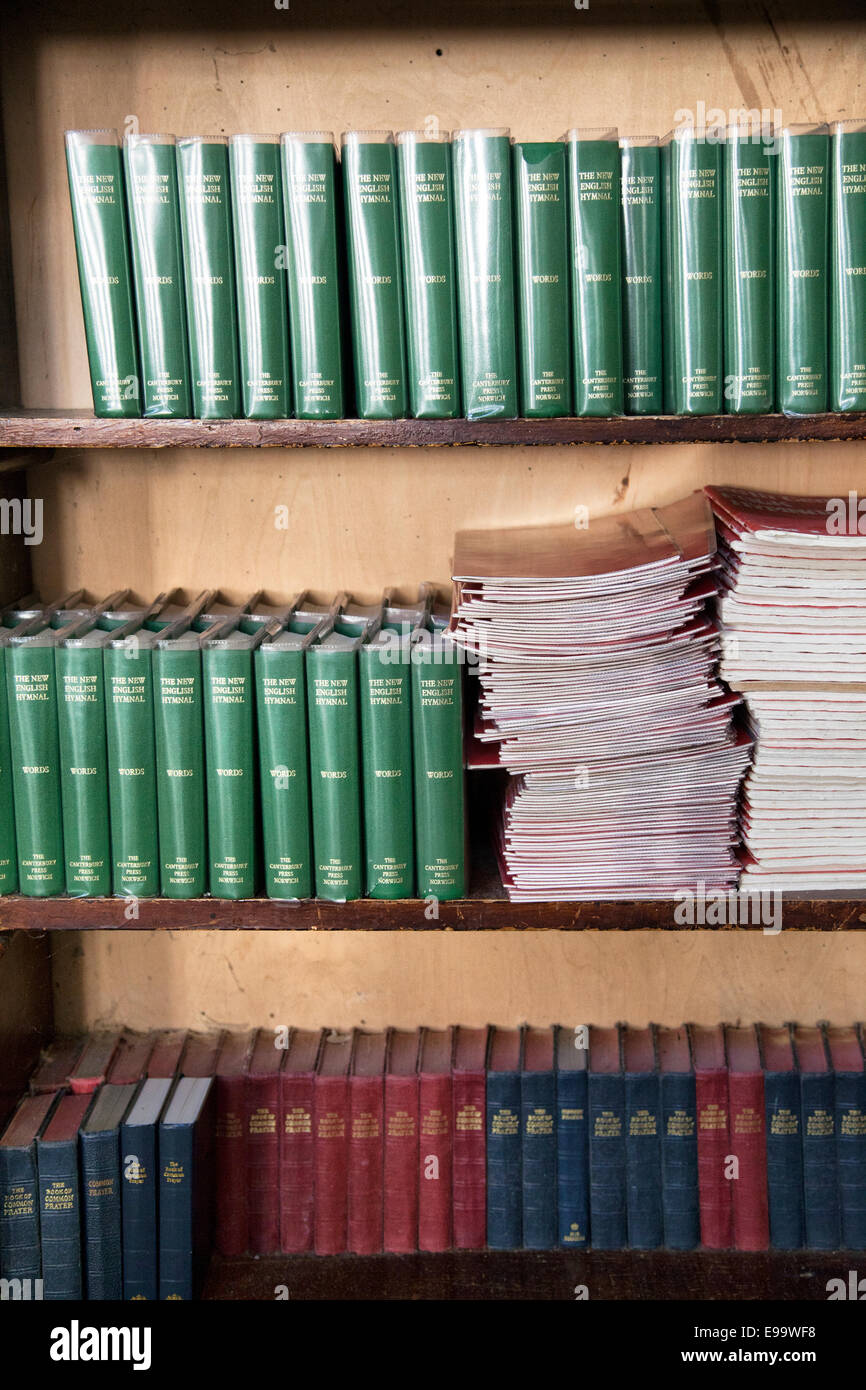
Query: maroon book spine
(365, 1165)
(401, 1164)
(751, 1225)
(332, 1154)
(297, 1166)
(434, 1163)
(263, 1161)
(469, 1183)
(714, 1188)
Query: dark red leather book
(166, 1055)
(201, 1054)
(232, 1068)
(366, 1106)
(263, 1145)
(751, 1226)
(331, 1131)
(56, 1065)
(297, 1166)
(92, 1066)
(435, 1146)
(711, 1096)
(469, 1156)
(129, 1063)
(401, 1143)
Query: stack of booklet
(793, 614)
(597, 672)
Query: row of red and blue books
(133, 1156)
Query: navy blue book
(572, 1138)
(784, 1138)
(504, 1184)
(681, 1216)
(19, 1193)
(643, 1152)
(139, 1149)
(607, 1184)
(538, 1128)
(846, 1057)
(99, 1152)
(186, 1139)
(60, 1199)
(820, 1176)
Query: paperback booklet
(311, 201)
(150, 162)
(260, 273)
(802, 222)
(208, 257)
(485, 273)
(641, 192)
(596, 270)
(97, 194)
(541, 212)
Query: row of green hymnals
(474, 276)
(176, 749)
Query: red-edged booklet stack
(597, 660)
(793, 617)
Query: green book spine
(180, 771)
(35, 768)
(749, 310)
(8, 846)
(375, 275)
(541, 207)
(231, 769)
(386, 760)
(314, 287)
(437, 751)
(848, 267)
(641, 191)
(484, 247)
(284, 778)
(104, 274)
(802, 222)
(335, 783)
(693, 226)
(263, 329)
(157, 264)
(131, 769)
(83, 770)
(596, 272)
(427, 230)
(208, 259)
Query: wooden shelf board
(27, 429)
(528, 1274)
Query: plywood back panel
(209, 979)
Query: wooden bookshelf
(24, 429)
(534, 1274)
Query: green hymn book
(640, 181)
(437, 752)
(692, 222)
(129, 720)
(335, 765)
(260, 274)
(8, 845)
(596, 288)
(541, 212)
(84, 763)
(157, 263)
(32, 692)
(427, 231)
(375, 275)
(230, 761)
(180, 767)
(206, 223)
(802, 225)
(484, 247)
(848, 266)
(310, 199)
(749, 310)
(284, 777)
(98, 200)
